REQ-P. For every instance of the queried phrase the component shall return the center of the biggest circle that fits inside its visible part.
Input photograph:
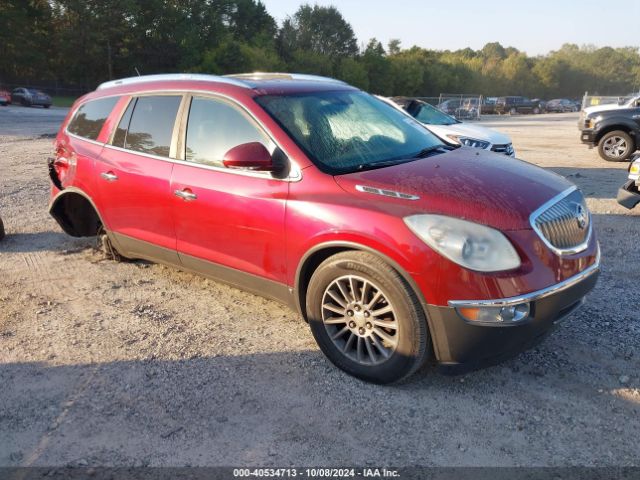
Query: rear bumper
(462, 346)
(628, 194)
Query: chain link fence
(51, 88)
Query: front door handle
(109, 176)
(186, 195)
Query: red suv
(394, 247)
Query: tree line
(85, 42)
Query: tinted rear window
(90, 117)
(151, 125)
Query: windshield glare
(346, 131)
(425, 113)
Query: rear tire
(1, 229)
(375, 328)
(616, 146)
(46, 106)
(536, 111)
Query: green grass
(63, 101)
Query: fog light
(497, 315)
(515, 313)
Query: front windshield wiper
(382, 163)
(427, 152)
(424, 153)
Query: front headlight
(634, 170)
(468, 244)
(469, 142)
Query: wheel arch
(612, 127)
(319, 253)
(76, 213)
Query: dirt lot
(105, 363)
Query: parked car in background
(452, 130)
(29, 97)
(488, 106)
(615, 132)
(458, 107)
(516, 104)
(542, 104)
(629, 193)
(395, 247)
(5, 98)
(561, 105)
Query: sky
(535, 27)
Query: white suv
(451, 130)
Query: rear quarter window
(90, 117)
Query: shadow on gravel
(175, 412)
(42, 241)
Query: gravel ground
(133, 364)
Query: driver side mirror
(254, 156)
(249, 156)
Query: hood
(466, 183)
(604, 108)
(471, 131)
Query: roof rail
(200, 77)
(283, 76)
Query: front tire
(366, 319)
(616, 146)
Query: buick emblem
(582, 217)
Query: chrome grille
(506, 149)
(564, 223)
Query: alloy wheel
(615, 147)
(360, 320)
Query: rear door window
(214, 128)
(151, 125)
(90, 117)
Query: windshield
(632, 101)
(348, 131)
(425, 113)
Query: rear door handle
(186, 195)
(109, 176)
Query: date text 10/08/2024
(316, 472)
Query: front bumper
(628, 194)
(588, 136)
(461, 346)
